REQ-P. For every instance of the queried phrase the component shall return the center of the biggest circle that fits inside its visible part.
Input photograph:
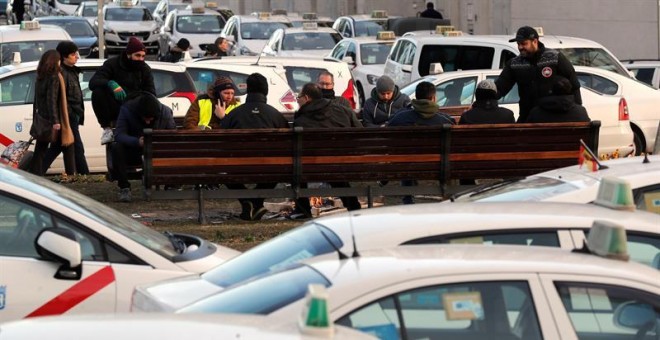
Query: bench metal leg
(200, 206)
(370, 197)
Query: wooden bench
(361, 156)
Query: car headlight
(156, 31)
(372, 79)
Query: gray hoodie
(376, 112)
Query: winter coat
(254, 114)
(132, 79)
(47, 106)
(205, 101)
(535, 77)
(558, 109)
(430, 13)
(74, 96)
(423, 112)
(325, 113)
(487, 112)
(130, 125)
(376, 113)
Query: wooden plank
(497, 156)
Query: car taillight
(623, 109)
(288, 100)
(349, 94)
(190, 95)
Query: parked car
(306, 41)
(123, 21)
(61, 252)
(200, 26)
(362, 25)
(30, 41)
(249, 33)
(87, 10)
(647, 71)
(455, 94)
(174, 88)
(81, 31)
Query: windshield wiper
(482, 188)
(342, 256)
(177, 243)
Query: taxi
(124, 20)
(200, 25)
(553, 225)
(297, 19)
(366, 57)
(466, 292)
(307, 41)
(362, 25)
(174, 88)
(249, 33)
(30, 39)
(647, 71)
(61, 252)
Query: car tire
(639, 143)
(361, 94)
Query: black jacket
(558, 109)
(254, 114)
(423, 112)
(431, 13)
(535, 77)
(174, 55)
(132, 79)
(376, 113)
(47, 106)
(130, 125)
(325, 113)
(487, 112)
(74, 96)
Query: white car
(647, 71)
(173, 85)
(201, 26)
(362, 25)
(522, 223)
(306, 41)
(455, 93)
(249, 33)
(462, 292)
(64, 253)
(30, 41)
(577, 185)
(123, 21)
(87, 10)
(641, 98)
(366, 57)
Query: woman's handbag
(17, 155)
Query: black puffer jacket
(74, 96)
(376, 112)
(535, 77)
(487, 112)
(132, 79)
(325, 113)
(254, 114)
(558, 109)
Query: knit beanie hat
(134, 45)
(486, 89)
(223, 83)
(65, 48)
(257, 83)
(384, 84)
(183, 44)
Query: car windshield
(528, 189)
(263, 295)
(409, 89)
(594, 57)
(199, 24)
(310, 41)
(260, 30)
(368, 28)
(374, 54)
(91, 209)
(90, 11)
(30, 50)
(296, 245)
(74, 28)
(128, 14)
(150, 5)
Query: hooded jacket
(131, 77)
(376, 112)
(487, 112)
(325, 113)
(130, 125)
(558, 109)
(423, 112)
(254, 114)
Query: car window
(456, 92)
(205, 77)
(648, 198)
(29, 50)
(642, 248)
(598, 83)
(260, 30)
(598, 311)
(199, 24)
(310, 41)
(505, 56)
(527, 189)
(512, 97)
(351, 51)
(548, 238)
(128, 14)
(455, 58)
(340, 50)
(297, 77)
(367, 28)
(408, 54)
(594, 57)
(471, 310)
(18, 89)
(644, 74)
(373, 54)
(85, 75)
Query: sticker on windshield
(652, 201)
(3, 298)
(295, 258)
(463, 306)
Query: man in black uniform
(430, 12)
(534, 70)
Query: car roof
(550, 41)
(254, 18)
(293, 30)
(13, 33)
(640, 63)
(271, 60)
(87, 62)
(207, 11)
(60, 18)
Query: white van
(412, 55)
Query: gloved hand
(119, 93)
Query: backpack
(17, 155)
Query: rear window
(170, 82)
(310, 41)
(455, 58)
(368, 28)
(205, 77)
(297, 77)
(594, 57)
(528, 189)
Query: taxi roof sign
(309, 16)
(539, 30)
(379, 14)
(279, 11)
(453, 33)
(211, 4)
(315, 317)
(310, 26)
(615, 193)
(441, 29)
(198, 10)
(30, 25)
(263, 15)
(16, 57)
(385, 35)
(608, 239)
(126, 3)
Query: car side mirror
(60, 245)
(634, 315)
(349, 60)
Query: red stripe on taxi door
(4, 140)
(76, 294)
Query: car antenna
(342, 256)
(256, 63)
(646, 158)
(355, 251)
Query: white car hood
(305, 53)
(170, 295)
(132, 26)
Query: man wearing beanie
(175, 54)
(255, 113)
(75, 107)
(386, 99)
(485, 109)
(119, 78)
(206, 112)
(141, 112)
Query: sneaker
(107, 136)
(125, 195)
(259, 213)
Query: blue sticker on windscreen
(383, 332)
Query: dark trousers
(80, 163)
(350, 203)
(257, 203)
(122, 157)
(36, 165)
(106, 107)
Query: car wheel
(361, 94)
(639, 144)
